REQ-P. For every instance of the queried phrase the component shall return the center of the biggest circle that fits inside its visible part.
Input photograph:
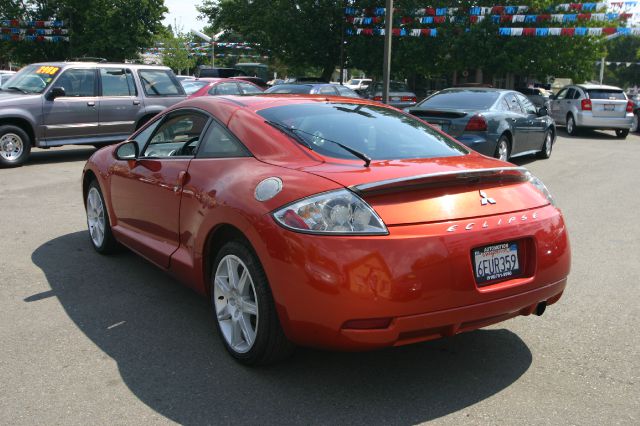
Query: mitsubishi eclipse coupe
(327, 222)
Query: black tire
(269, 343)
(107, 244)
(503, 146)
(15, 146)
(547, 146)
(622, 133)
(572, 129)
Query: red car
(327, 222)
(219, 86)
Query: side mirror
(543, 111)
(552, 97)
(56, 92)
(127, 151)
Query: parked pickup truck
(79, 103)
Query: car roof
(589, 86)
(476, 89)
(102, 64)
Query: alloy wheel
(11, 146)
(95, 217)
(503, 151)
(547, 144)
(235, 303)
(570, 125)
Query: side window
(78, 82)
(527, 105)
(577, 94)
(562, 94)
(219, 143)
(225, 89)
(571, 93)
(117, 82)
(249, 89)
(177, 136)
(143, 137)
(327, 90)
(503, 105)
(514, 106)
(159, 83)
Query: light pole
(388, 34)
(211, 40)
(602, 62)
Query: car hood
(438, 189)
(13, 98)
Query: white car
(358, 83)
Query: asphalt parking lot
(88, 339)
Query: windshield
(289, 88)
(375, 131)
(461, 99)
(607, 94)
(192, 86)
(32, 79)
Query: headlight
(540, 187)
(335, 212)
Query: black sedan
(494, 122)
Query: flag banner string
(17, 23)
(564, 18)
(504, 31)
(37, 38)
(500, 10)
(34, 31)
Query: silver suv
(592, 106)
(80, 103)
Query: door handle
(182, 179)
(136, 102)
(91, 104)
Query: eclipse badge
(484, 200)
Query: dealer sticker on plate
(496, 262)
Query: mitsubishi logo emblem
(485, 199)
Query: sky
(184, 14)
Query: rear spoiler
(451, 178)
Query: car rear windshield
(289, 88)
(380, 133)
(606, 94)
(160, 83)
(461, 99)
(394, 86)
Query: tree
(111, 29)
(175, 54)
(302, 33)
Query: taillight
(477, 123)
(408, 99)
(629, 106)
(377, 98)
(585, 104)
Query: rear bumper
(435, 325)
(586, 119)
(484, 144)
(420, 277)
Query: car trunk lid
(422, 191)
(608, 103)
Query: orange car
(327, 222)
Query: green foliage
(175, 54)
(111, 29)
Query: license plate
(609, 107)
(395, 98)
(496, 262)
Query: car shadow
(161, 336)
(588, 134)
(53, 155)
